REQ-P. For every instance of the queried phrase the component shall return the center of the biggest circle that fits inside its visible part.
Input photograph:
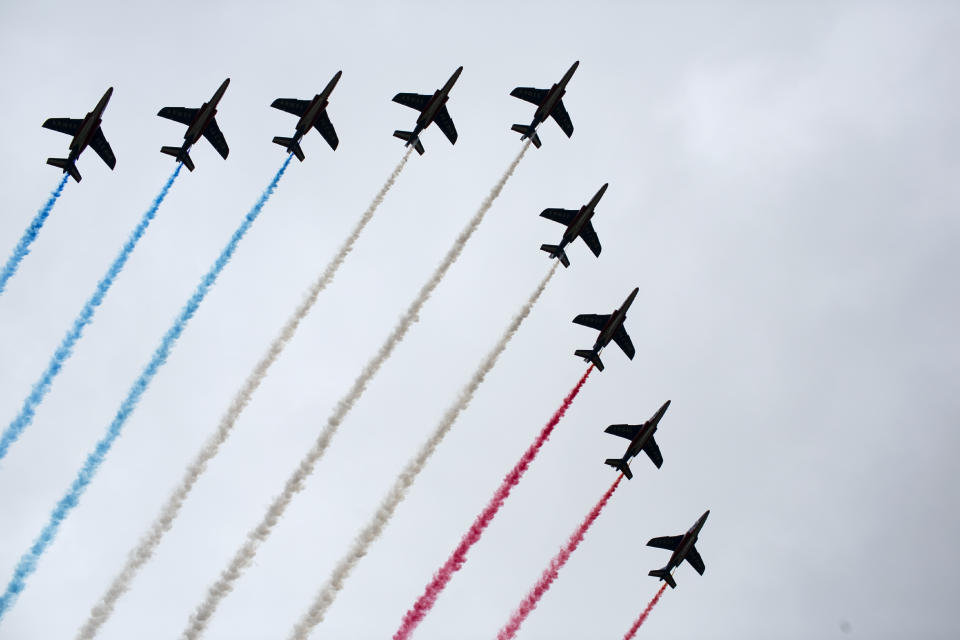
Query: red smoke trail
(440, 579)
(646, 612)
(553, 569)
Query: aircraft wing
(214, 135)
(623, 341)
(653, 451)
(102, 147)
(69, 126)
(693, 557)
(179, 114)
(413, 100)
(560, 114)
(563, 216)
(291, 105)
(529, 94)
(589, 236)
(445, 122)
(325, 127)
(666, 542)
(592, 320)
(628, 431)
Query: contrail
(646, 612)
(404, 481)
(245, 554)
(28, 561)
(85, 317)
(140, 555)
(29, 235)
(425, 602)
(553, 569)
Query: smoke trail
(245, 554)
(553, 569)
(646, 612)
(404, 481)
(140, 555)
(425, 602)
(85, 317)
(30, 234)
(28, 561)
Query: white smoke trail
(404, 481)
(142, 553)
(245, 554)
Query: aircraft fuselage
(438, 100)
(554, 95)
(689, 539)
(615, 322)
(91, 123)
(317, 106)
(205, 114)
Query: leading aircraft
(610, 328)
(85, 132)
(641, 439)
(313, 113)
(578, 226)
(432, 109)
(200, 122)
(683, 549)
(549, 104)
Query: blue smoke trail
(28, 561)
(85, 317)
(23, 247)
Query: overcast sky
(783, 192)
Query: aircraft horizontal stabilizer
(66, 165)
(663, 574)
(408, 137)
(621, 465)
(556, 252)
(590, 356)
(180, 155)
(528, 132)
(290, 146)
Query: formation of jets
(201, 122)
(312, 114)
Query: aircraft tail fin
(528, 132)
(66, 165)
(590, 356)
(621, 465)
(408, 137)
(665, 575)
(180, 154)
(556, 252)
(291, 146)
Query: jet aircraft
(641, 439)
(610, 328)
(85, 132)
(549, 104)
(578, 226)
(200, 122)
(313, 113)
(683, 549)
(432, 109)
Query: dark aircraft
(549, 103)
(610, 328)
(200, 122)
(432, 109)
(683, 549)
(578, 225)
(86, 132)
(641, 439)
(313, 113)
